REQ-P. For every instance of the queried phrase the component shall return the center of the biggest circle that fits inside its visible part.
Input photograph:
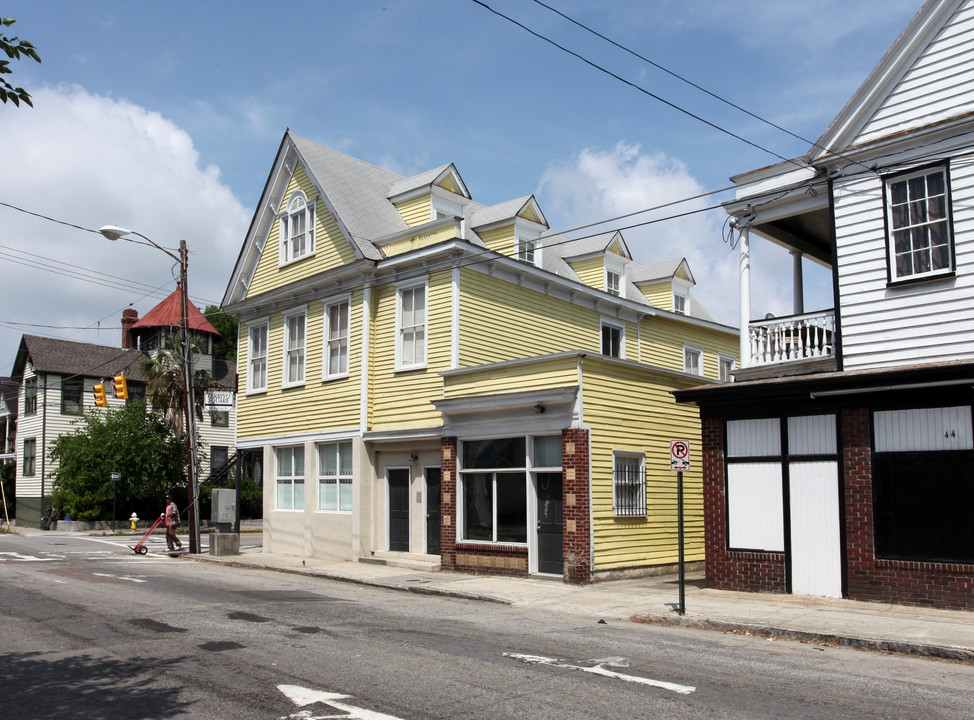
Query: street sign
(218, 401)
(679, 455)
(116, 477)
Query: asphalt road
(90, 630)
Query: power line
(633, 85)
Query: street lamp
(114, 233)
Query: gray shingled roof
(66, 357)
(416, 181)
(663, 270)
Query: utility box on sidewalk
(222, 515)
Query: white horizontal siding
(926, 322)
(938, 85)
(923, 429)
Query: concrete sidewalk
(944, 634)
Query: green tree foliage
(129, 441)
(13, 48)
(226, 347)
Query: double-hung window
(72, 395)
(918, 216)
(725, 368)
(257, 358)
(411, 327)
(297, 228)
(30, 396)
(679, 302)
(30, 457)
(295, 337)
(613, 340)
(335, 477)
(629, 484)
(290, 478)
(692, 360)
(336, 339)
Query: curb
(955, 654)
(942, 652)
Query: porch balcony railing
(795, 337)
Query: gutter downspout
(745, 294)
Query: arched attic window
(297, 228)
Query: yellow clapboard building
(438, 382)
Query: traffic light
(120, 387)
(100, 399)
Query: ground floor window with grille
(289, 478)
(629, 484)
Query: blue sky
(165, 118)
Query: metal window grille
(630, 490)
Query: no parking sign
(679, 455)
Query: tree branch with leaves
(14, 48)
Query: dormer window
(297, 229)
(614, 278)
(679, 302)
(527, 245)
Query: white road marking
(599, 670)
(17, 557)
(301, 697)
(120, 577)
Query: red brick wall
(576, 511)
(727, 570)
(894, 581)
(448, 502)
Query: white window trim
(326, 332)
(293, 479)
(722, 359)
(621, 327)
(699, 352)
(400, 365)
(284, 240)
(263, 323)
(641, 458)
(338, 477)
(286, 380)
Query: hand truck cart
(140, 548)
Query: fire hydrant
(134, 519)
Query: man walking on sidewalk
(172, 523)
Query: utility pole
(189, 403)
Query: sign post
(680, 461)
(115, 478)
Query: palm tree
(163, 368)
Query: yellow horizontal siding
(420, 240)
(500, 240)
(659, 295)
(591, 272)
(402, 399)
(314, 407)
(632, 410)
(663, 340)
(502, 321)
(332, 249)
(416, 211)
(557, 372)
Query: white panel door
(816, 553)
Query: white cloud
(597, 184)
(90, 160)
